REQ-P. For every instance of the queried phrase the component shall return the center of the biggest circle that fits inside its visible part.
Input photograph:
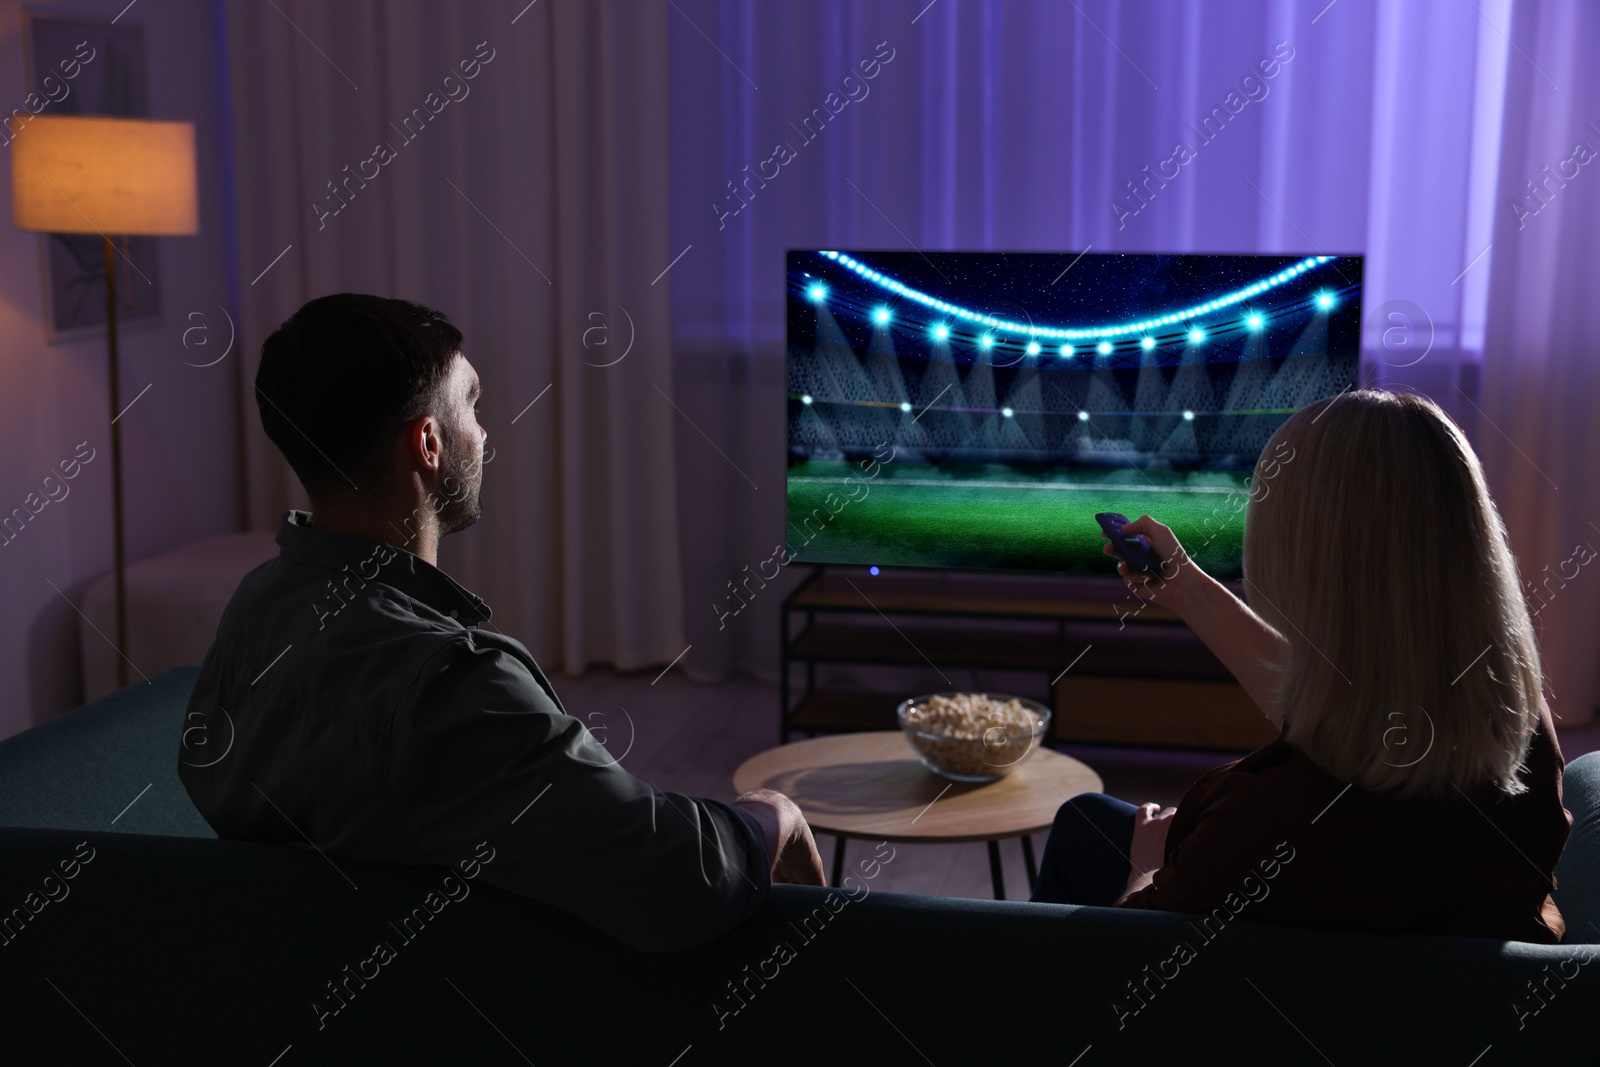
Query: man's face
(461, 442)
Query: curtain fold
(1542, 350)
(410, 149)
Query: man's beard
(459, 506)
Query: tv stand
(1112, 669)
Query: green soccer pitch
(995, 516)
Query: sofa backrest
(109, 765)
(186, 951)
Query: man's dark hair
(339, 378)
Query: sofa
(130, 933)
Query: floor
(689, 738)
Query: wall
(180, 454)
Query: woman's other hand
(1149, 849)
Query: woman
(1416, 784)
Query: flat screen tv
(976, 409)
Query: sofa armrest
(109, 765)
(1578, 872)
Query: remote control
(1135, 548)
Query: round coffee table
(872, 786)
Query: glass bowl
(984, 749)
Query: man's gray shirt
(350, 700)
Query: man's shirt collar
(377, 561)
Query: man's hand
(1149, 847)
(794, 853)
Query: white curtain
(524, 195)
(1542, 352)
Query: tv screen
(977, 409)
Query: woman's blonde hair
(1372, 545)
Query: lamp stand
(119, 563)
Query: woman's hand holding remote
(1179, 575)
(1241, 639)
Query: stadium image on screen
(977, 409)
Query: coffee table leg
(994, 871)
(1028, 861)
(838, 862)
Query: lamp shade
(113, 176)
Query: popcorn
(972, 735)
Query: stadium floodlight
(806, 400)
(1188, 416)
(1147, 343)
(1196, 335)
(1324, 301)
(816, 291)
(1070, 333)
(881, 316)
(1006, 412)
(1083, 416)
(986, 342)
(1104, 348)
(1253, 321)
(1033, 348)
(941, 332)
(905, 406)
(1067, 351)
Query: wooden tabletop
(871, 785)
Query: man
(367, 715)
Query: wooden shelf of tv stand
(1163, 712)
(859, 641)
(966, 597)
(1142, 679)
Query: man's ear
(423, 443)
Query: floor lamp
(114, 177)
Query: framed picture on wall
(86, 65)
